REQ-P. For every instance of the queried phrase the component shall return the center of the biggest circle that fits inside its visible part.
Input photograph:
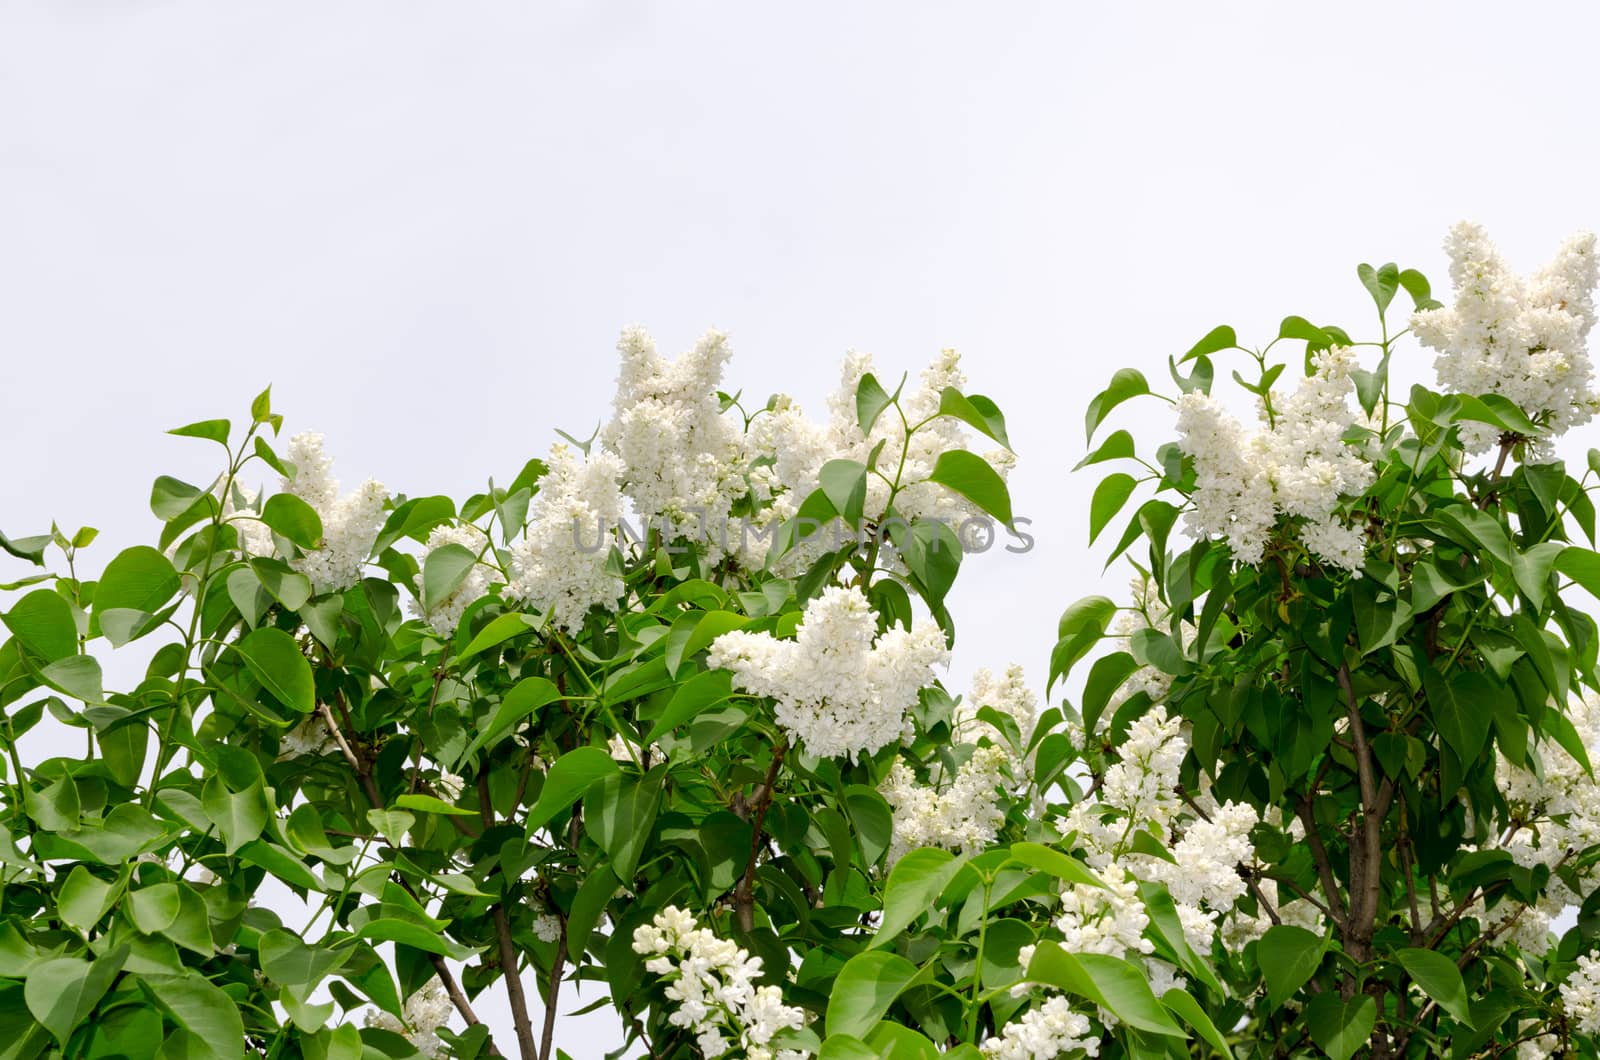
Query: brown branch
(507, 949)
(1319, 856)
(744, 901)
(458, 998)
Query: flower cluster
(426, 1011)
(841, 688)
(1052, 1029)
(1522, 338)
(350, 523)
(1581, 995)
(562, 566)
(712, 982)
(1298, 465)
(965, 816)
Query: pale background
(425, 224)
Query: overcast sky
(426, 224)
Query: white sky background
(426, 224)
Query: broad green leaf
(42, 621)
(1439, 979)
(391, 824)
(285, 866)
(239, 816)
(845, 483)
(1531, 568)
(1340, 1027)
(429, 804)
(975, 411)
(1109, 673)
(56, 808)
(154, 909)
(290, 962)
(694, 631)
(286, 585)
(140, 578)
(523, 699)
(275, 660)
(974, 478)
(84, 899)
(211, 430)
(914, 884)
(443, 571)
(620, 813)
(871, 400)
(1189, 1010)
(77, 676)
(1217, 339)
(501, 629)
(1582, 565)
(1063, 867)
(1381, 283)
(1109, 497)
(1288, 956)
(294, 519)
(1127, 383)
(864, 989)
(1109, 982)
(61, 993)
(571, 775)
(701, 692)
(1463, 709)
(391, 929)
(203, 1010)
(1117, 446)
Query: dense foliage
(659, 719)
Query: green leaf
(443, 571)
(211, 430)
(286, 585)
(1301, 328)
(571, 775)
(42, 621)
(203, 1010)
(1381, 283)
(275, 660)
(84, 899)
(501, 629)
(391, 824)
(1416, 286)
(694, 631)
(1127, 383)
(391, 929)
(170, 497)
(1109, 497)
(56, 807)
(871, 400)
(974, 478)
(239, 816)
(1439, 979)
(1463, 709)
(914, 884)
(1288, 956)
(1189, 1010)
(1117, 446)
(699, 693)
(1582, 565)
(1217, 339)
(140, 578)
(28, 548)
(1109, 673)
(620, 813)
(290, 962)
(1109, 982)
(975, 411)
(524, 698)
(845, 483)
(1532, 570)
(261, 407)
(1063, 867)
(61, 993)
(154, 909)
(77, 676)
(293, 518)
(1340, 1027)
(285, 866)
(864, 989)
(430, 804)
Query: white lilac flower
(1139, 790)
(311, 738)
(350, 523)
(965, 816)
(445, 615)
(1045, 1031)
(1109, 919)
(1524, 339)
(547, 927)
(841, 688)
(1581, 995)
(561, 566)
(680, 452)
(426, 1011)
(1297, 465)
(1008, 694)
(1205, 865)
(712, 983)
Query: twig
(744, 901)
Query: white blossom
(1581, 995)
(712, 983)
(841, 688)
(1109, 919)
(1045, 1031)
(562, 565)
(1524, 339)
(350, 523)
(1297, 465)
(426, 1011)
(965, 816)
